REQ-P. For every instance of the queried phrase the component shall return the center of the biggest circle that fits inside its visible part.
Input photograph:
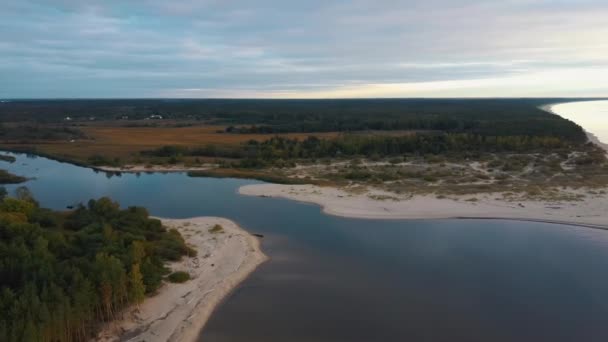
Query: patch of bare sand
(179, 311)
(136, 168)
(591, 210)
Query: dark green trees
(61, 274)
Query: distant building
(155, 117)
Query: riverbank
(589, 209)
(137, 168)
(178, 312)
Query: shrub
(216, 229)
(179, 277)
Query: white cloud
(278, 48)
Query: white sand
(179, 311)
(592, 211)
(135, 168)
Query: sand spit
(591, 210)
(179, 311)
(136, 168)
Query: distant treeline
(27, 132)
(61, 274)
(497, 117)
(260, 154)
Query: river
(340, 279)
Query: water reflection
(339, 279)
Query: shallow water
(591, 115)
(338, 279)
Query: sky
(303, 49)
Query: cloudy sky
(303, 49)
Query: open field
(124, 144)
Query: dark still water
(337, 279)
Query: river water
(339, 279)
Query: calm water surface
(591, 115)
(337, 279)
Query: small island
(7, 158)
(9, 178)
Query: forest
(478, 116)
(279, 151)
(63, 273)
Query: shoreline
(136, 168)
(179, 312)
(590, 212)
(590, 136)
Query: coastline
(179, 312)
(591, 211)
(590, 136)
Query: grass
(216, 229)
(9, 178)
(266, 176)
(109, 144)
(179, 277)
(125, 143)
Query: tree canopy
(62, 273)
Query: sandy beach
(591, 210)
(179, 311)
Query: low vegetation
(271, 176)
(216, 229)
(442, 146)
(7, 158)
(63, 273)
(9, 178)
(179, 277)
(534, 175)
